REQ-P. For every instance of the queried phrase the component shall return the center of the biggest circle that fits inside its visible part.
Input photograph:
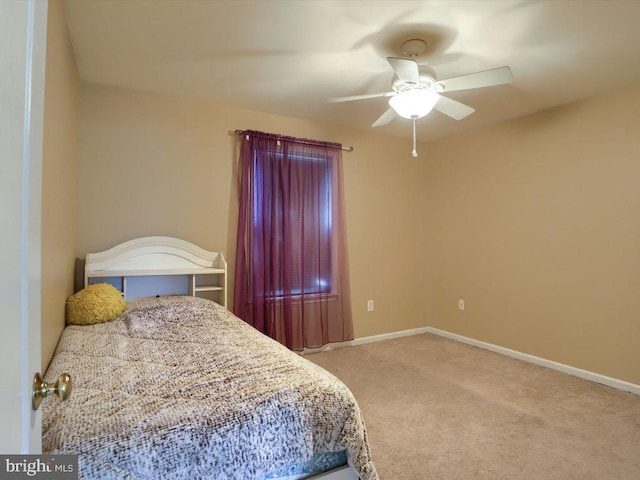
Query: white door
(23, 36)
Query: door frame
(23, 38)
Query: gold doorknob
(42, 389)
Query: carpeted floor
(439, 409)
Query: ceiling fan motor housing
(427, 77)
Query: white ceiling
(288, 57)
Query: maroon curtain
(291, 277)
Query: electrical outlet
(369, 305)
(460, 304)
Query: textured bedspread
(179, 388)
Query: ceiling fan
(416, 91)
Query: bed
(177, 387)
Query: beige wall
(535, 224)
(158, 165)
(59, 171)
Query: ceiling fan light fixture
(414, 103)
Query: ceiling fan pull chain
(414, 152)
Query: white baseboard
(364, 340)
(560, 367)
(389, 336)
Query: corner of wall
(59, 176)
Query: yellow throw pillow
(100, 302)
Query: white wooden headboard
(161, 256)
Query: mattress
(180, 388)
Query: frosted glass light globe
(414, 103)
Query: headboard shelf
(158, 272)
(161, 256)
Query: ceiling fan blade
(385, 118)
(360, 97)
(406, 69)
(453, 108)
(487, 78)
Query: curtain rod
(301, 140)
